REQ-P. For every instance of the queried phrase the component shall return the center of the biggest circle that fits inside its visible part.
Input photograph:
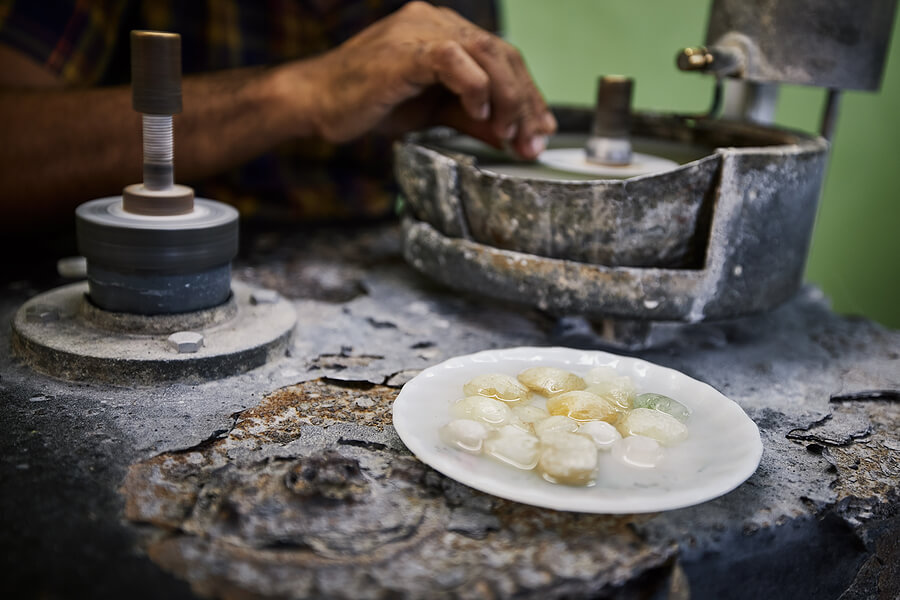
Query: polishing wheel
(156, 249)
(157, 264)
(576, 160)
(608, 152)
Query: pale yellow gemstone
(513, 446)
(582, 406)
(480, 408)
(497, 386)
(601, 433)
(567, 458)
(555, 424)
(662, 427)
(528, 413)
(550, 381)
(620, 390)
(465, 434)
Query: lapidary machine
(636, 219)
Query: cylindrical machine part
(156, 72)
(750, 101)
(159, 159)
(156, 91)
(610, 141)
(154, 250)
(157, 265)
(830, 114)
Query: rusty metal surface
(308, 495)
(288, 480)
(719, 237)
(840, 44)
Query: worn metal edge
(74, 362)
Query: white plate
(575, 160)
(723, 448)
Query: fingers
(506, 90)
(453, 67)
(452, 115)
(537, 122)
(395, 61)
(519, 114)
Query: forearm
(62, 147)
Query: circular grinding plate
(52, 335)
(575, 160)
(205, 237)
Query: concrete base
(62, 334)
(288, 481)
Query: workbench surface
(289, 481)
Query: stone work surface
(289, 482)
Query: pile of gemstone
(503, 417)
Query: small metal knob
(718, 60)
(696, 58)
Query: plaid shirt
(86, 43)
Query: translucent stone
(582, 406)
(520, 424)
(600, 432)
(550, 381)
(620, 390)
(600, 374)
(567, 458)
(497, 386)
(513, 446)
(528, 415)
(480, 408)
(465, 434)
(638, 451)
(660, 426)
(555, 424)
(663, 403)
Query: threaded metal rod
(156, 94)
(159, 166)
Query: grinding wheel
(157, 264)
(575, 160)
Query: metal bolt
(186, 342)
(264, 297)
(41, 314)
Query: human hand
(386, 77)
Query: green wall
(855, 255)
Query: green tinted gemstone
(664, 404)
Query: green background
(855, 256)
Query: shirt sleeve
(75, 39)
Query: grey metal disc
(151, 293)
(157, 264)
(204, 238)
(575, 160)
(54, 334)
